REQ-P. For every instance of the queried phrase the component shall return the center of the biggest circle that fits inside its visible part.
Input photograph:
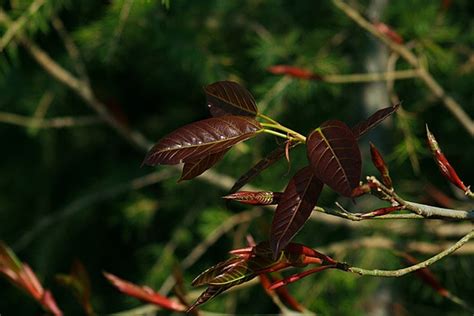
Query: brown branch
(57, 122)
(454, 107)
(426, 211)
(16, 27)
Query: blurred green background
(66, 193)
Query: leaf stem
(282, 128)
(267, 118)
(272, 132)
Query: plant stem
(267, 118)
(285, 136)
(282, 128)
(421, 265)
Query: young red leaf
(230, 98)
(255, 198)
(251, 262)
(444, 166)
(195, 168)
(299, 276)
(379, 163)
(263, 164)
(144, 293)
(294, 72)
(21, 275)
(282, 292)
(389, 32)
(375, 119)
(200, 139)
(294, 208)
(335, 156)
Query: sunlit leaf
(255, 198)
(209, 274)
(375, 119)
(294, 208)
(228, 97)
(211, 292)
(200, 139)
(335, 156)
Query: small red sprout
(21, 275)
(444, 166)
(144, 293)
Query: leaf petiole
(272, 132)
(267, 118)
(282, 128)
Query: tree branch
(421, 265)
(454, 107)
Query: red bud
(444, 166)
(379, 163)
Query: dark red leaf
(144, 293)
(335, 156)
(200, 139)
(209, 274)
(255, 198)
(263, 164)
(230, 98)
(379, 163)
(195, 168)
(294, 72)
(295, 207)
(375, 119)
(389, 32)
(444, 166)
(299, 276)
